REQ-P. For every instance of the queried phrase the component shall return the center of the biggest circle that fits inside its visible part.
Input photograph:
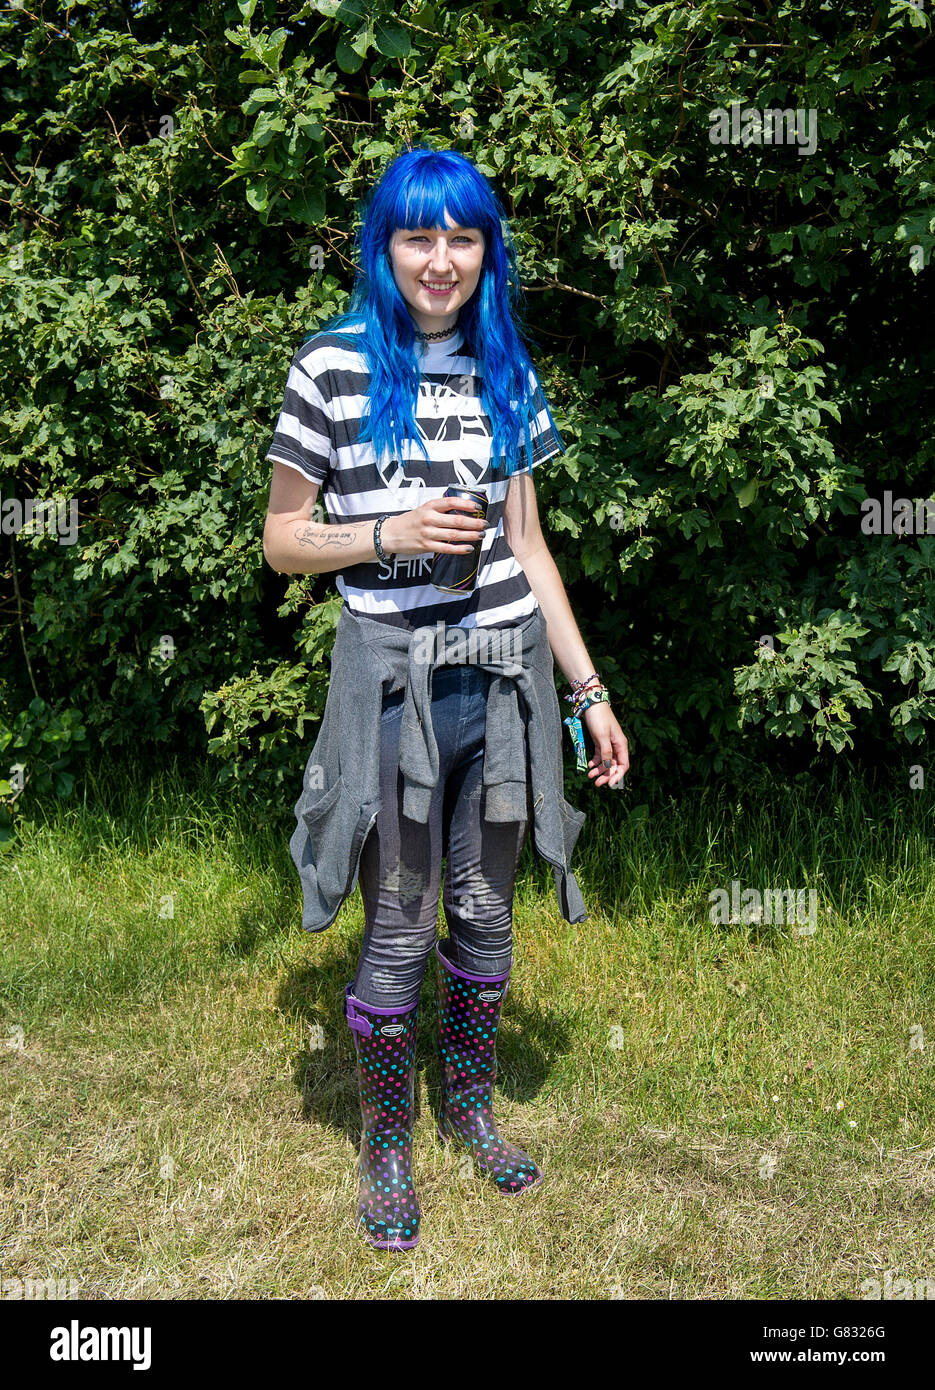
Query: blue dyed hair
(416, 190)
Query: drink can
(457, 574)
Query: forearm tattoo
(323, 539)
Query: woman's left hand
(611, 754)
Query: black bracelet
(381, 554)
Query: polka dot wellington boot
(385, 1041)
(468, 1016)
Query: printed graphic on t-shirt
(447, 413)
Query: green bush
(735, 338)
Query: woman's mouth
(440, 288)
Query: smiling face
(436, 271)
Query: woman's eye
(466, 239)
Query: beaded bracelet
(376, 540)
(582, 697)
(591, 697)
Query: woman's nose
(439, 261)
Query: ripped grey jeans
(401, 863)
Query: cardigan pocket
(332, 822)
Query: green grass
(736, 1111)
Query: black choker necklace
(435, 337)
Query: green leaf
(348, 59)
(351, 12)
(272, 53)
(392, 40)
(309, 127)
(362, 40)
(307, 204)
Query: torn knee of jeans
(471, 898)
(407, 883)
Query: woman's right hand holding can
(439, 526)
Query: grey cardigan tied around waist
(340, 797)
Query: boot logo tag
(392, 1030)
(489, 995)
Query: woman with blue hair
(422, 386)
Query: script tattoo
(321, 539)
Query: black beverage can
(457, 574)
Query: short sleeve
(546, 440)
(304, 436)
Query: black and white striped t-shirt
(316, 433)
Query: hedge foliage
(734, 333)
